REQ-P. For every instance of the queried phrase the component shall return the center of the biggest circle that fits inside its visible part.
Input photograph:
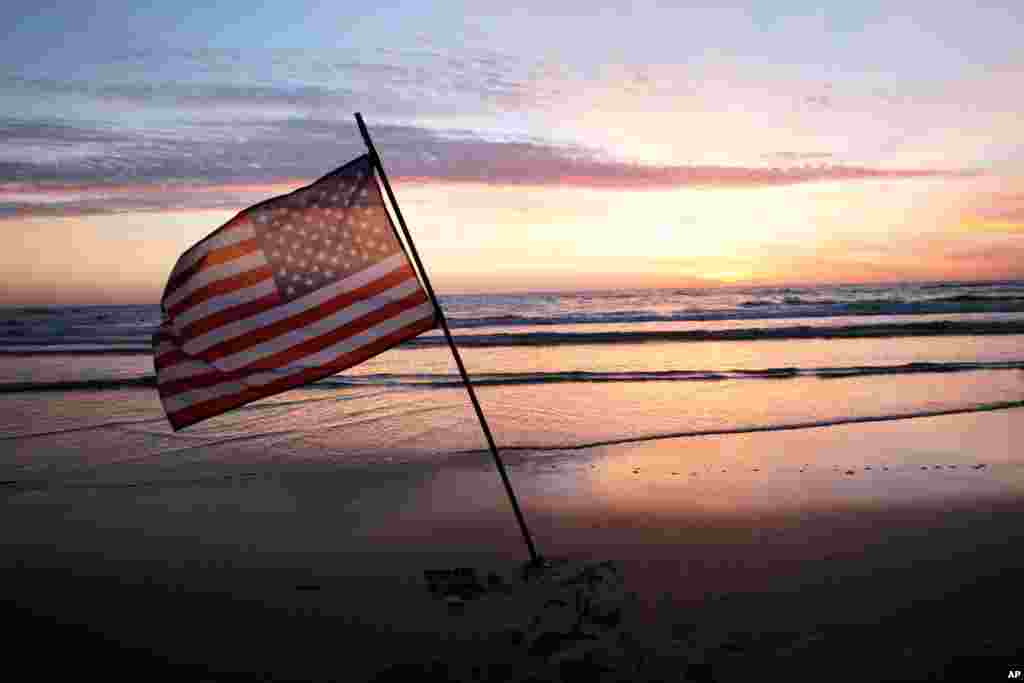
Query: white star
(309, 283)
(291, 290)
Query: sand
(883, 551)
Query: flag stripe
(225, 286)
(238, 337)
(233, 384)
(195, 412)
(212, 272)
(184, 369)
(314, 299)
(235, 298)
(233, 232)
(224, 316)
(168, 359)
(293, 347)
(212, 258)
(345, 345)
(360, 319)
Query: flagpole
(375, 158)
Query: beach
(818, 482)
(889, 550)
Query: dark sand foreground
(886, 551)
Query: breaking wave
(510, 378)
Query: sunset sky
(533, 145)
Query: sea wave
(791, 306)
(511, 378)
(937, 328)
(934, 328)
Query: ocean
(555, 372)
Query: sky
(545, 146)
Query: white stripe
(219, 303)
(294, 337)
(173, 404)
(225, 389)
(331, 353)
(311, 300)
(182, 370)
(163, 348)
(250, 325)
(213, 273)
(259, 379)
(187, 399)
(233, 235)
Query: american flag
(289, 291)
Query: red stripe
(296, 352)
(224, 286)
(162, 335)
(213, 258)
(206, 409)
(307, 317)
(230, 315)
(166, 360)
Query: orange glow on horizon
(483, 238)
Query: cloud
(797, 156)
(64, 168)
(994, 212)
(180, 92)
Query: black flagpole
(375, 159)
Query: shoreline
(763, 559)
(940, 328)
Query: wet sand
(881, 551)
